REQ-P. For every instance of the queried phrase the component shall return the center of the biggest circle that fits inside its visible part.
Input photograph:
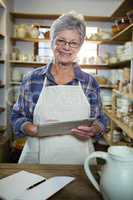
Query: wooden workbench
(79, 189)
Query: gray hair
(68, 21)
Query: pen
(34, 185)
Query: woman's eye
(60, 41)
(74, 43)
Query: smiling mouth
(65, 54)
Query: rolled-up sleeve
(97, 110)
(101, 119)
(94, 98)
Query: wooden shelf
(119, 123)
(112, 42)
(15, 82)
(15, 15)
(109, 66)
(125, 34)
(37, 64)
(108, 86)
(100, 42)
(125, 6)
(95, 66)
(33, 64)
(121, 64)
(35, 40)
(128, 96)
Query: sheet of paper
(46, 189)
(61, 128)
(14, 187)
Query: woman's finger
(85, 128)
(82, 132)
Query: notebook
(15, 186)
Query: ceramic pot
(34, 32)
(21, 30)
(116, 182)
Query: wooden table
(79, 189)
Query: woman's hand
(85, 132)
(30, 129)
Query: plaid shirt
(30, 90)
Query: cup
(16, 75)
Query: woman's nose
(67, 45)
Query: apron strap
(45, 81)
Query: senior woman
(59, 91)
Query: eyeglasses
(72, 44)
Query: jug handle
(97, 154)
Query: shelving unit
(120, 38)
(28, 40)
(119, 123)
(125, 35)
(4, 136)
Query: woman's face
(66, 46)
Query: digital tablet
(61, 128)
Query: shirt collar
(46, 69)
(77, 70)
(79, 75)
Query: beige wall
(86, 7)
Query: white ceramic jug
(116, 179)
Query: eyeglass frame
(64, 43)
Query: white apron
(62, 103)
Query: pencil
(34, 185)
